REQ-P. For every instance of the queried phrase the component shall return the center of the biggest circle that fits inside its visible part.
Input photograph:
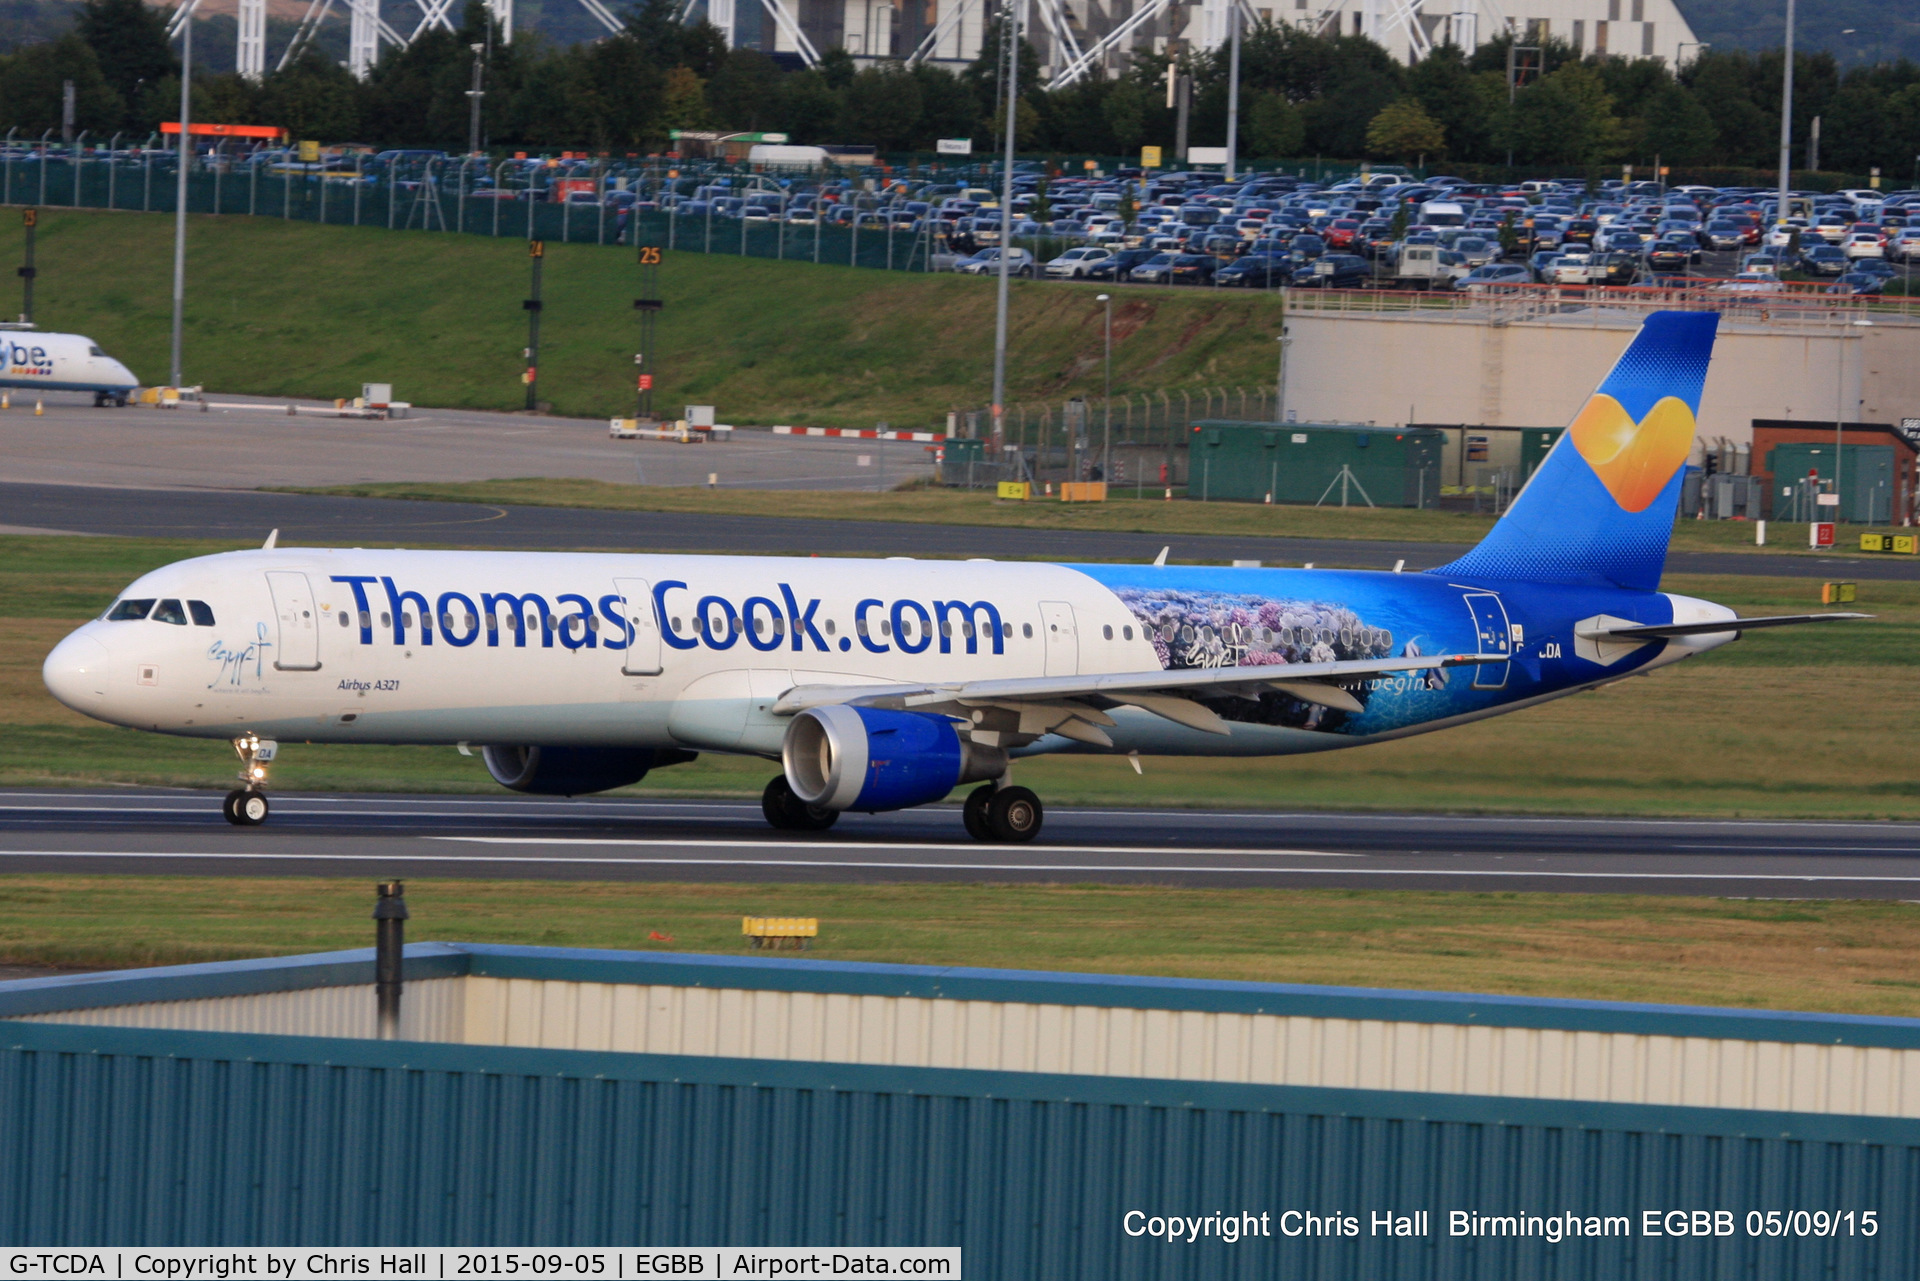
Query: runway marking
(697, 843)
(1796, 878)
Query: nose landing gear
(246, 805)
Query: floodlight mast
(180, 195)
(1786, 122)
(1010, 42)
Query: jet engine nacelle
(573, 771)
(868, 758)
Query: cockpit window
(169, 611)
(202, 613)
(95, 351)
(129, 610)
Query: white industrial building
(1076, 37)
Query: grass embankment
(1842, 956)
(1153, 515)
(1804, 722)
(288, 308)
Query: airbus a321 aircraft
(883, 684)
(33, 361)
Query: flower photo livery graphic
(1202, 629)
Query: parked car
(1858, 284)
(1494, 277)
(1863, 244)
(1334, 271)
(1256, 271)
(1073, 264)
(1823, 259)
(1670, 255)
(1118, 266)
(1020, 262)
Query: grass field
(1859, 957)
(1812, 722)
(935, 506)
(288, 308)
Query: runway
(247, 516)
(315, 834)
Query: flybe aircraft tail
(1601, 506)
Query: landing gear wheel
(791, 814)
(245, 807)
(1014, 815)
(974, 812)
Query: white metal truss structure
(949, 24)
(363, 37)
(250, 58)
(1214, 16)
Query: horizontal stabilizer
(1663, 630)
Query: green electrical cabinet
(1866, 482)
(1313, 463)
(1534, 444)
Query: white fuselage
(60, 362)
(692, 652)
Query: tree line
(1302, 94)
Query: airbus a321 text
(879, 685)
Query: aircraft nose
(76, 672)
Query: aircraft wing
(1663, 630)
(1074, 706)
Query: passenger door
(298, 647)
(1495, 636)
(642, 655)
(1063, 642)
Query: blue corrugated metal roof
(437, 960)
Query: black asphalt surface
(182, 833)
(320, 520)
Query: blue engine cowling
(869, 758)
(574, 771)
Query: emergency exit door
(1063, 643)
(297, 648)
(642, 656)
(1495, 636)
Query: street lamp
(1106, 448)
(180, 196)
(1280, 379)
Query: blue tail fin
(1601, 506)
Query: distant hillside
(1881, 32)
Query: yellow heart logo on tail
(1633, 460)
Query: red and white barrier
(933, 436)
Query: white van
(784, 156)
(1443, 213)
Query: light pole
(1106, 448)
(1233, 89)
(1010, 37)
(1280, 378)
(474, 95)
(1786, 121)
(180, 196)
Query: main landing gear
(791, 814)
(246, 805)
(1012, 815)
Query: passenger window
(1026, 630)
(1106, 633)
(344, 620)
(169, 611)
(202, 613)
(129, 610)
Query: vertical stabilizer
(1601, 506)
